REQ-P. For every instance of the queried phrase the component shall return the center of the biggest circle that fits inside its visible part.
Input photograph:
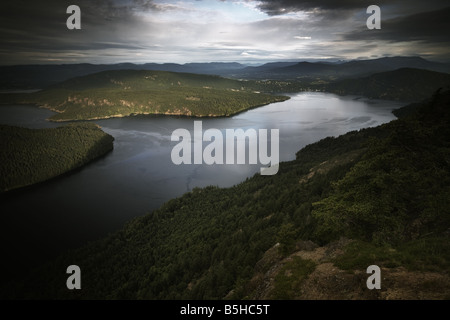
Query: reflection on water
(138, 175)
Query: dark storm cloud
(47, 13)
(42, 24)
(430, 27)
(407, 27)
(276, 7)
(284, 6)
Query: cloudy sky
(245, 31)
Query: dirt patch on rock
(328, 282)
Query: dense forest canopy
(29, 156)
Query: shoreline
(158, 114)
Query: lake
(138, 175)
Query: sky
(245, 31)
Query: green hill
(31, 156)
(120, 93)
(404, 84)
(375, 196)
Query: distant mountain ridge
(40, 76)
(355, 68)
(404, 84)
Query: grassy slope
(127, 92)
(387, 188)
(34, 155)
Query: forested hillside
(121, 93)
(377, 196)
(30, 156)
(405, 84)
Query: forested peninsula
(121, 93)
(30, 156)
